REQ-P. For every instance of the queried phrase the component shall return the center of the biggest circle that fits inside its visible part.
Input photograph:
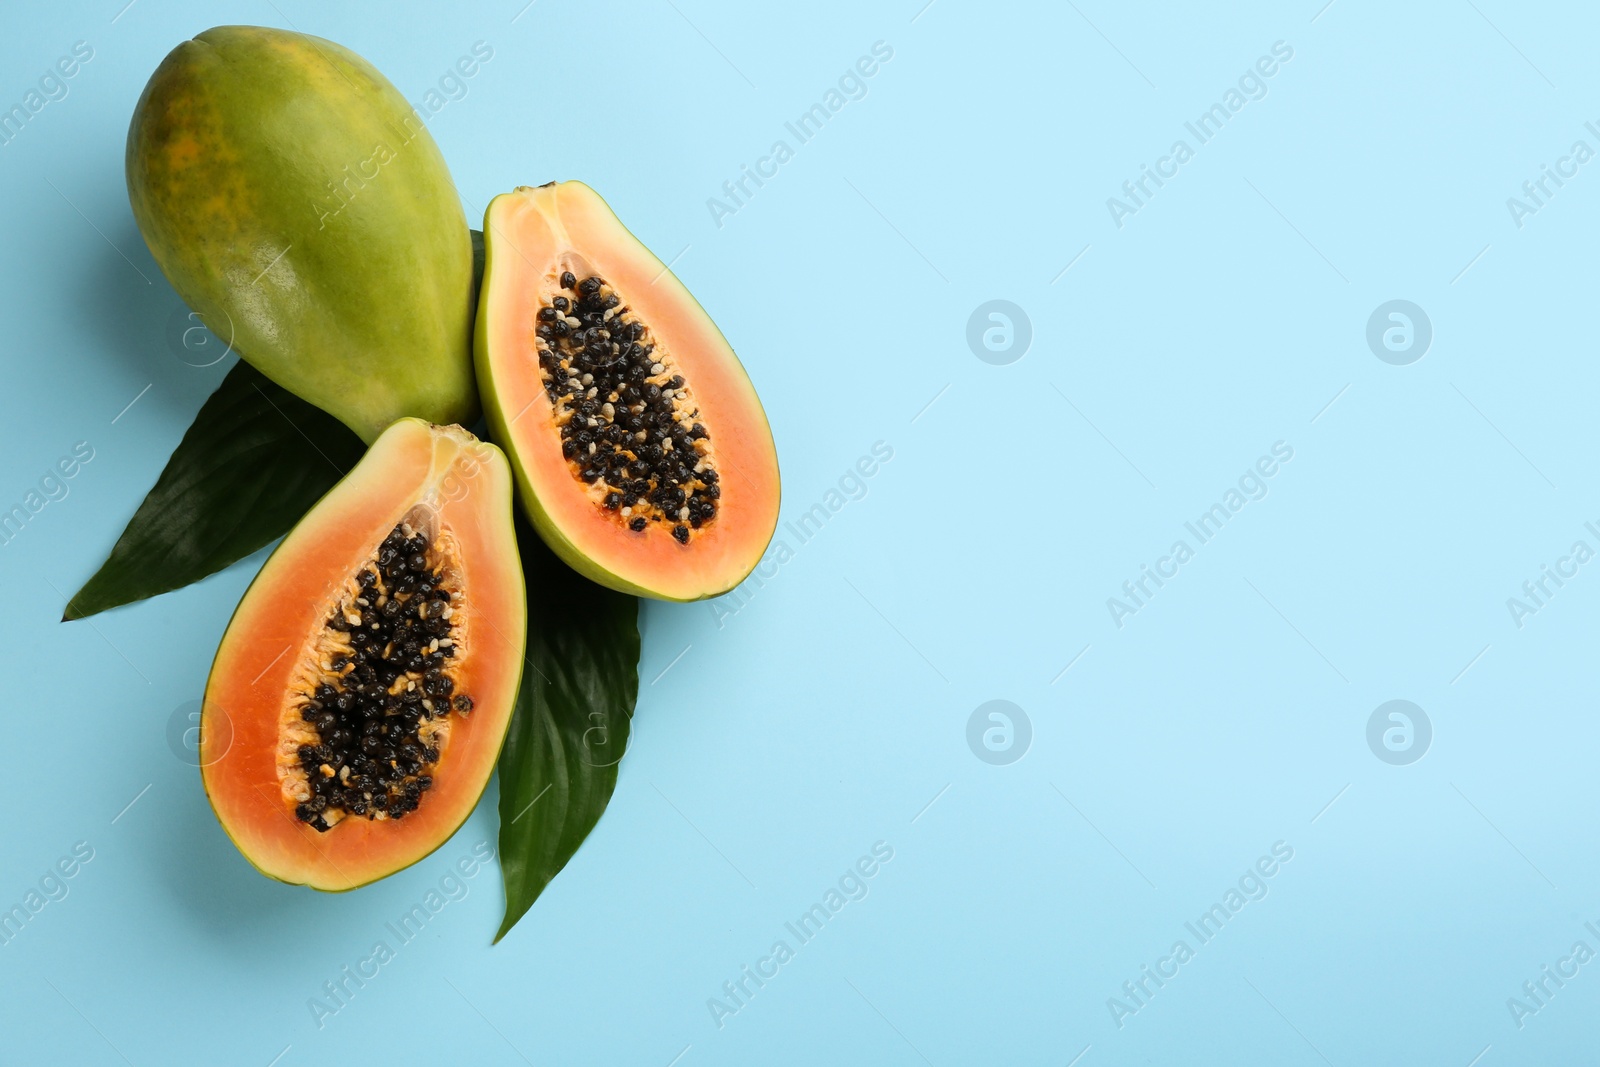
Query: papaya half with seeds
(361, 693)
(298, 204)
(641, 452)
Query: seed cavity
(629, 423)
(373, 720)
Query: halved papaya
(640, 449)
(363, 688)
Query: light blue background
(825, 715)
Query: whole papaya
(296, 201)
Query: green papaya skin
(296, 201)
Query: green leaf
(570, 728)
(253, 462)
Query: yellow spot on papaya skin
(182, 151)
(220, 207)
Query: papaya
(641, 452)
(298, 204)
(362, 690)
